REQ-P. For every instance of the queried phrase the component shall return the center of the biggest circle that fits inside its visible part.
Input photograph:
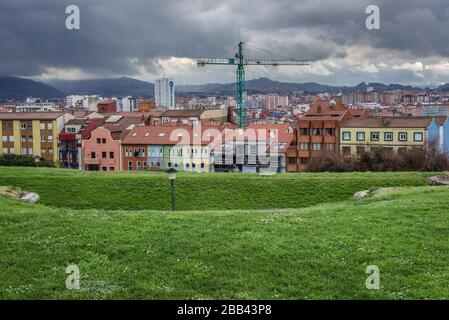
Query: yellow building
(31, 133)
(357, 135)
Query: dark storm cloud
(118, 36)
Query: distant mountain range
(265, 85)
(19, 88)
(120, 87)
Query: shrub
(430, 158)
(10, 160)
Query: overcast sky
(147, 39)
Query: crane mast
(241, 62)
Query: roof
(76, 122)
(30, 115)
(388, 122)
(183, 113)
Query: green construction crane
(240, 62)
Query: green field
(88, 190)
(319, 250)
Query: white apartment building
(128, 104)
(164, 93)
(73, 101)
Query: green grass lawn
(93, 190)
(316, 252)
(112, 228)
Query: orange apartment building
(317, 132)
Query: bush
(12, 160)
(430, 158)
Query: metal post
(241, 88)
(172, 183)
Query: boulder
(361, 194)
(30, 197)
(438, 181)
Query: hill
(120, 87)
(19, 89)
(91, 190)
(320, 252)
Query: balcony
(292, 152)
(303, 139)
(330, 139)
(303, 154)
(316, 139)
(91, 161)
(292, 167)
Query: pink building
(102, 151)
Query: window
(98, 141)
(4, 138)
(12, 151)
(303, 160)
(30, 138)
(316, 131)
(329, 147)
(138, 165)
(103, 140)
(360, 136)
(5, 150)
(144, 164)
(71, 130)
(304, 131)
(202, 166)
(316, 146)
(42, 125)
(30, 150)
(111, 155)
(402, 136)
(388, 136)
(103, 155)
(50, 138)
(418, 137)
(104, 168)
(346, 136)
(143, 152)
(23, 139)
(11, 138)
(50, 151)
(130, 166)
(93, 155)
(42, 138)
(30, 126)
(126, 152)
(23, 126)
(329, 132)
(304, 146)
(291, 160)
(23, 150)
(111, 169)
(374, 136)
(50, 126)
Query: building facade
(164, 93)
(32, 134)
(390, 133)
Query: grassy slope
(84, 190)
(318, 252)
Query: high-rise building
(164, 93)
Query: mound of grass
(128, 191)
(317, 252)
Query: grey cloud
(118, 36)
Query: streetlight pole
(172, 176)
